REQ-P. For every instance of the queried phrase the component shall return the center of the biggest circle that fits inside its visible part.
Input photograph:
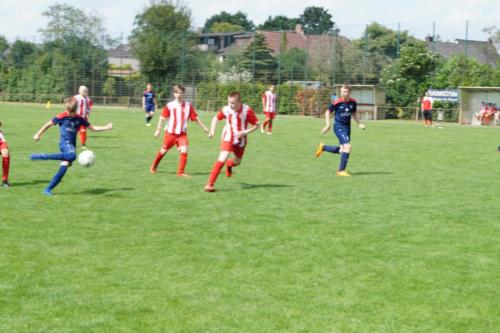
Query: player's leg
(270, 126)
(4, 151)
(83, 136)
(343, 134)
(150, 111)
(69, 155)
(235, 161)
(65, 154)
(430, 118)
(168, 142)
(223, 155)
(182, 144)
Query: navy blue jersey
(343, 111)
(149, 98)
(68, 126)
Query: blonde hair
(83, 90)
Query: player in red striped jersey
(177, 112)
(269, 108)
(83, 110)
(4, 151)
(240, 121)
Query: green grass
(410, 243)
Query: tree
(409, 76)
(68, 21)
(379, 39)
(279, 23)
(225, 27)
(239, 19)
(463, 71)
(316, 20)
(4, 45)
(161, 40)
(109, 87)
(292, 64)
(20, 54)
(258, 59)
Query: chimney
(299, 30)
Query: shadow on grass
(369, 173)
(246, 186)
(33, 182)
(101, 191)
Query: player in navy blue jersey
(69, 123)
(344, 109)
(149, 103)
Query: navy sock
(148, 119)
(344, 158)
(57, 177)
(332, 149)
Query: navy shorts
(427, 115)
(150, 108)
(343, 134)
(68, 149)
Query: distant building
(120, 57)
(483, 51)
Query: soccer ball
(86, 158)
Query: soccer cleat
(229, 171)
(152, 170)
(269, 133)
(148, 124)
(5, 184)
(184, 175)
(47, 192)
(343, 173)
(84, 147)
(262, 129)
(209, 188)
(319, 150)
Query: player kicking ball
(177, 112)
(69, 123)
(240, 121)
(344, 109)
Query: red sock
(5, 167)
(157, 160)
(83, 137)
(182, 163)
(215, 172)
(230, 163)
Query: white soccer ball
(86, 158)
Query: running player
(69, 122)
(240, 121)
(149, 103)
(84, 109)
(269, 108)
(4, 151)
(344, 109)
(177, 112)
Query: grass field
(410, 243)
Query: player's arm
(213, 125)
(42, 130)
(327, 121)
(355, 116)
(202, 125)
(144, 102)
(107, 127)
(161, 120)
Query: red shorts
(270, 115)
(4, 145)
(236, 150)
(169, 140)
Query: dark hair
(346, 86)
(179, 87)
(235, 94)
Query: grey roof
(483, 52)
(121, 51)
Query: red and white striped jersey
(178, 115)
(2, 138)
(269, 101)
(84, 106)
(236, 121)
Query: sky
(351, 17)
